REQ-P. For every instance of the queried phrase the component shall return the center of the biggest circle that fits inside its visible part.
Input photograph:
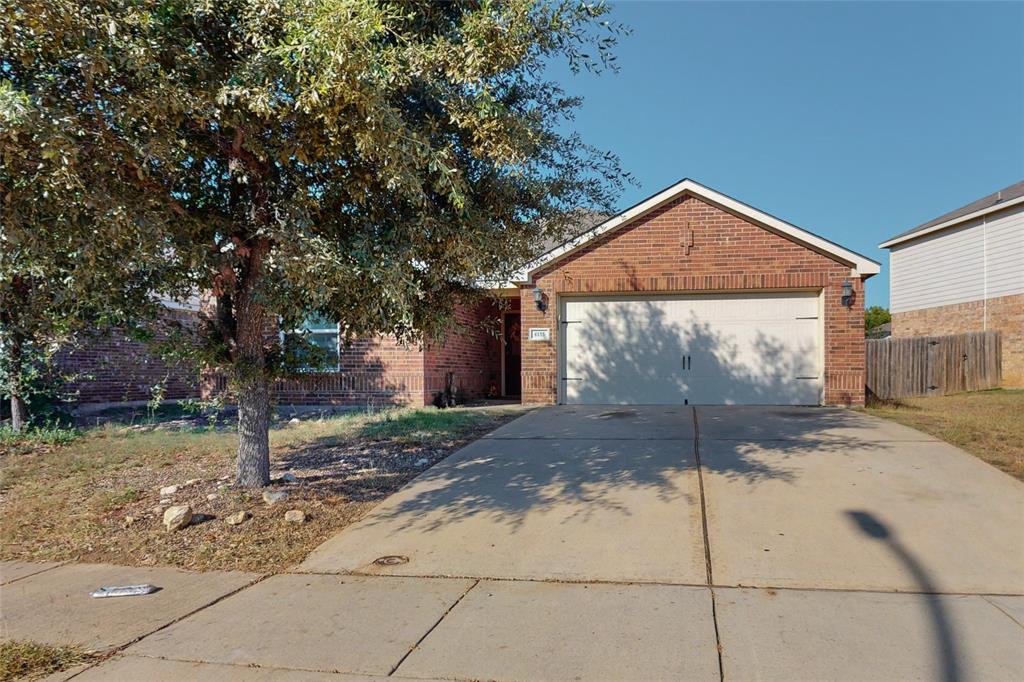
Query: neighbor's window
(323, 334)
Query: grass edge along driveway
(987, 424)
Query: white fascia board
(950, 223)
(863, 267)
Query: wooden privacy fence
(933, 365)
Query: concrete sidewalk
(570, 544)
(302, 626)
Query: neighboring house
(689, 297)
(963, 272)
(882, 331)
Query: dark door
(513, 355)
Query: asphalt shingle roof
(1006, 194)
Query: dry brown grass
(30, 660)
(97, 498)
(988, 424)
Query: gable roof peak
(862, 265)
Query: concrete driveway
(793, 497)
(642, 543)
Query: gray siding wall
(983, 258)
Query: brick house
(979, 249)
(689, 297)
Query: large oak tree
(372, 162)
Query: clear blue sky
(854, 121)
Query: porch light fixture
(538, 298)
(847, 298)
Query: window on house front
(323, 334)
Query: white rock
(177, 517)
(168, 490)
(289, 478)
(272, 497)
(212, 496)
(295, 516)
(237, 518)
(165, 501)
(294, 420)
(193, 481)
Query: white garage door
(731, 349)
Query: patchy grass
(988, 424)
(97, 498)
(30, 660)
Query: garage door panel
(715, 349)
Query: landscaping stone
(272, 497)
(289, 478)
(212, 496)
(165, 501)
(193, 481)
(169, 490)
(237, 518)
(295, 516)
(177, 517)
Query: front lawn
(97, 498)
(988, 424)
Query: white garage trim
(752, 348)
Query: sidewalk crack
(432, 628)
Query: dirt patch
(98, 499)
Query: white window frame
(334, 329)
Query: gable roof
(864, 267)
(1008, 196)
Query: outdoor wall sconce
(847, 298)
(538, 298)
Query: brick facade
(728, 254)
(112, 368)
(382, 371)
(1004, 314)
(472, 354)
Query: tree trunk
(253, 433)
(19, 408)
(19, 414)
(251, 376)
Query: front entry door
(513, 355)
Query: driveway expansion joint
(707, 542)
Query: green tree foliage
(368, 161)
(876, 315)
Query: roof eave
(951, 223)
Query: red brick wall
(377, 370)
(472, 354)
(728, 254)
(111, 368)
(1004, 314)
(380, 370)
